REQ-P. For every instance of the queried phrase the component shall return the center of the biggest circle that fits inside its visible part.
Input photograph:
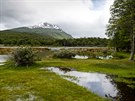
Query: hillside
(21, 38)
(46, 29)
(46, 34)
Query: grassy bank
(122, 69)
(33, 84)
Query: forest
(11, 38)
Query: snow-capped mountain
(46, 29)
(45, 25)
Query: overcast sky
(80, 18)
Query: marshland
(67, 50)
(36, 82)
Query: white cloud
(76, 17)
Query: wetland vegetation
(32, 83)
(67, 68)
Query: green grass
(122, 69)
(41, 85)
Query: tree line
(90, 42)
(16, 39)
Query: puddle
(3, 58)
(80, 57)
(105, 57)
(100, 84)
(99, 57)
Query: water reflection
(100, 84)
(105, 57)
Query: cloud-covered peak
(45, 25)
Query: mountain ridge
(45, 29)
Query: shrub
(64, 54)
(118, 55)
(23, 56)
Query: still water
(100, 84)
(3, 58)
(80, 57)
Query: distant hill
(46, 34)
(46, 29)
(9, 37)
